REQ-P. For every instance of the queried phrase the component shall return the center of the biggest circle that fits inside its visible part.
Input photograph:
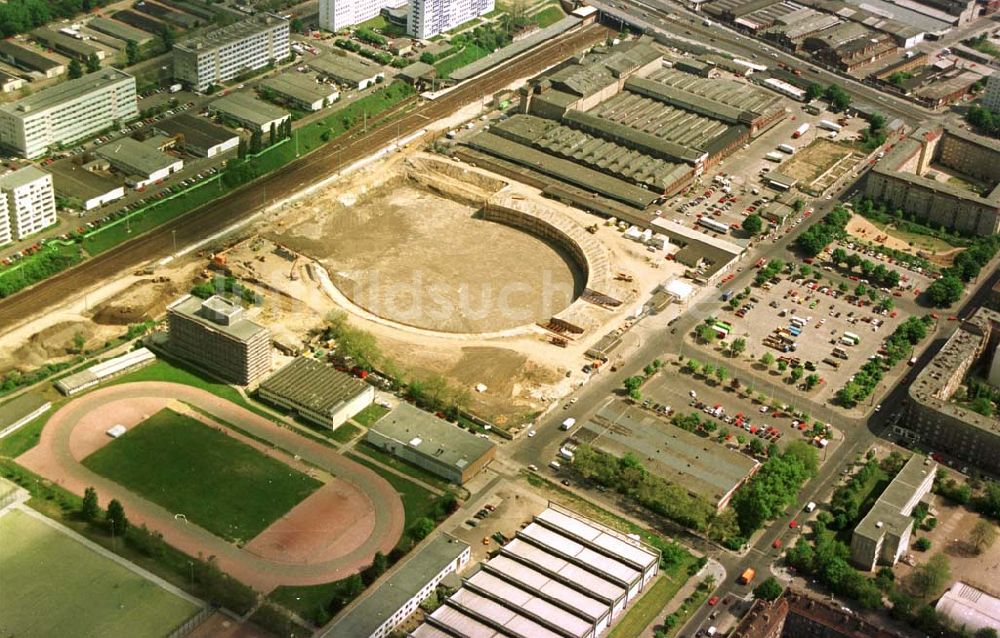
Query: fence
(191, 623)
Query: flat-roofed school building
(317, 392)
(214, 334)
(431, 443)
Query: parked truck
(774, 156)
(799, 132)
(175, 88)
(786, 148)
(747, 576)
(830, 126)
(567, 424)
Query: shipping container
(786, 148)
(830, 126)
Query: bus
(711, 224)
(853, 337)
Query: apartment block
(222, 54)
(335, 15)
(431, 17)
(215, 335)
(66, 113)
(27, 203)
(991, 97)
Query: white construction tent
(680, 290)
(85, 379)
(969, 607)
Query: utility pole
(173, 234)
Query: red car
(713, 601)
(793, 524)
(776, 544)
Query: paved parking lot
(805, 320)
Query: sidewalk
(713, 569)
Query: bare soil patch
(814, 160)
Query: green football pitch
(217, 482)
(53, 585)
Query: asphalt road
(220, 214)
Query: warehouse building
(214, 335)
(428, 18)
(10, 83)
(883, 535)
(105, 370)
(65, 113)
(220, 55)
(30, 60)
(91, 184)
(198, 136)
(317, 392)
(335, 15)
(248, 111)
(431, 443)
(120, 30)
(934, 420)
(27, 203)
(905, 178)
(380, 611)
(302, 91)
(346, 70)
(562, 576)
(140, 162)
(712, 473)
(66, 45)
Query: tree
(241, 149)
(986, 632)
(707, 370)
(93, 63)
(380, 563)
(115, 516)
(768, 590)
(983, 535)
(812, 381)
(838, 97)
(693, 366)
(753, 224)
(90, 509)
(922, 544)
(704, 333)
(721, 374)
(945, 291)
(75, 70)
(738, 346)
(782, 365)
(813, 91)
(421, 528)
(168, 36)
(131, 53)
(79, 340)
(256, 141)
(767, 360)
(928, 578)
(273, 134)
(757, 446)
(797, 373)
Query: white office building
(335, 15)
(69, 112)
(27, 203)
(222, 54)
(991, 96)
(431, 17)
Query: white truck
(567, 424)
(175, 88)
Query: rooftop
(344, 68)
(935, 384)
(969, 607)
(888, 513)
(119, 30)
(197, 131)
(138, 157)
(27, 56)
(432, 437)
(58, 94)
(301, 87)
(379, 604)
(21, 177)
(703, 467)
(56, 39)
(234, 32)
(246, 108)
(73, 180)
(217, 313)
(314, 384)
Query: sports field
(217, 482)
(54, 586)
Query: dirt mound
(508, 377)
(53, 342)
(139, 302)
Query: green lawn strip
(417, 501)
(402, 466)
(309, 601)
(646, 610)
(343, 434)
(225, 486)
(53, 258)
(148, 218)
(687, 609)
(55, 586)
(469, 54)
(919, 240)
(25, 437)
(370, 415)
(548, 16)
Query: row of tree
(37, 267)
(897, 347)
(877, 273)
(775, 486)
(20, 16)
(835, 94)
(966, 266)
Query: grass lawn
(467, 55)
(345, 433)
(404, 467)
(53, 258)
(647, 609)
(417, 502)
(548, 16)
(26, 437)
(371, 414)
(55, 586)
(221, 484)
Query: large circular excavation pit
(419, 259)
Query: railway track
(222, 213)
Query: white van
(555, 465)
(810, 506)
(567, 424)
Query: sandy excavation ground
(863, 229)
